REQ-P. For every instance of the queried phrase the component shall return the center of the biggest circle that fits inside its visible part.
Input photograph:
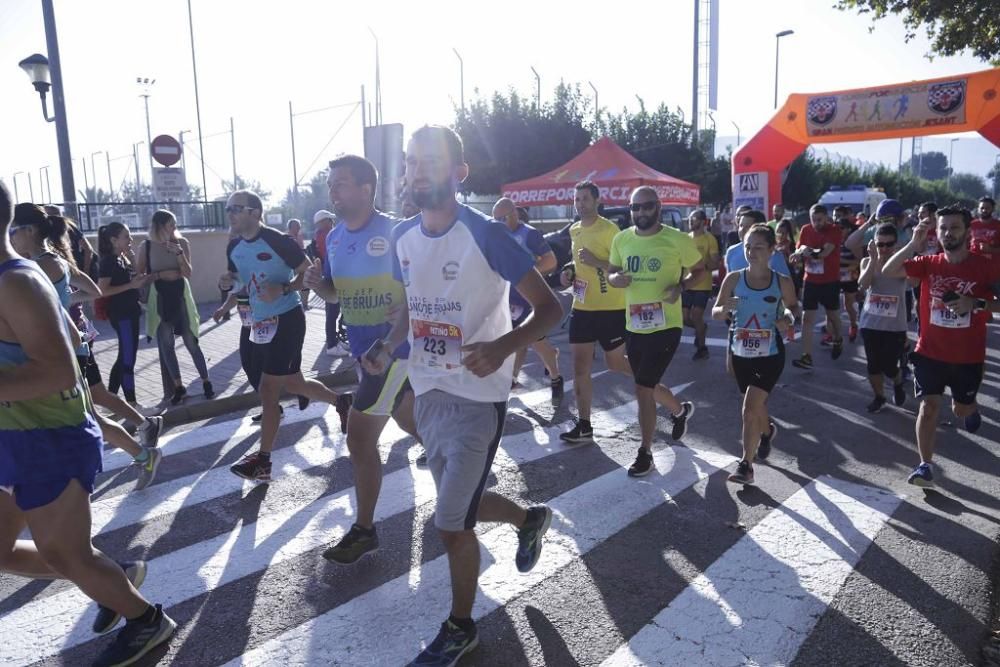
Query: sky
(256, 56)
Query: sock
(264, 456)
(463, 624)
(143, 456)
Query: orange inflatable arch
(963, 103)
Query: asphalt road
(832, 560)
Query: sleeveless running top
(63, 291)
(754, 333)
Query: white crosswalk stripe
(795, 559)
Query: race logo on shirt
(450, 270)
(264, 256)
(377, 246)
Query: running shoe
(643, 463)
(852, 333)
(260, 415)
(147, 468)
(579, 434)
(837, 349)
(827, 340)
(898, 394)
(973, 422)
(339, 349)
(421, 459)
(179, 394)
(356, 543)
(149, 431)
(700, 353)
(558, 386)
(253, 467)
(451, 643)
(137, 639)
(922, 476)
(303, 402)
(805, 362)
(876, 405)
(680, 421)
(529, 537)
(343, 406)
(207, 389)
(743, 474)
(107, 619)
(764, 446)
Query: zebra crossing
(239, 566)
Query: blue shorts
(37, 465)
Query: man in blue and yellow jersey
(50, 454)
(358, 271)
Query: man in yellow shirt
(697, 292)
(650, 262)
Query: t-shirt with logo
(269, 257)
(457, 285)
(707, 247)
(986, 233)
(360, 264)
(655, 262)
(821, 270)
(531, 240)
(591, 290)
(944, 335)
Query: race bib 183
(942, 316)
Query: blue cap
(888, 208)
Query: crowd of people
(439, 311)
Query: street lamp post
(738, 136)
(197, 106)
(39, 69)
(538, 89)
(147, 84)
(93, 169)
(461, 77)
(597, 107)
(48, 186)
(378, 82)
(951, 152)
(777, 43)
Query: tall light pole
(538, 88)
(378, 81)
(146, 84)
(93, 168)
(694, 76)
(597, 107)
(39, 68)
(738, 136)
(232, 137)
(777, 44)
(951, 151)
(461, 76)
(197, 107)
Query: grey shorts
(461, 438)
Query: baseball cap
(322, 214)
(888, 208)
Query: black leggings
(883, 351)
(123, 371)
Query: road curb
(201, 409)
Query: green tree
(994, 177)
(311, 197)
(932, 165)
(952, 26)
(968, 187)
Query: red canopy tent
(614, 171)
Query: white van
(861, 198)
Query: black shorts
(760, 372)
(824, 294)
(283, 354)
(649, 354)
(883, 351)
(380, 395)
(930, 377)
(89, 369)
(606, 327)
(850, 287)
(695, 298)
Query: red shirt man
(984, 232)
(819, 251)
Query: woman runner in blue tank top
(759, 303)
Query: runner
(50, 454)
(359, 272)
(883, 321)
(955, 300)
(651, 262)
(819, 251)
(270, 263)
(985, 231)
(335, 347)
(532, 241)
(849, 270)
(697, 292)
(457, 267)
(761, 305)
(42, 238)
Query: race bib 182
(646, 316)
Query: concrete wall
(208, 260)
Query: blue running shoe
(922, 476)
(448, 647)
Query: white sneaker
(341, 349)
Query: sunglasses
(239, 208)
(644, 206)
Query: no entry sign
(166, 150)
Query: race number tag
(942, 316)
(580, 290)
(815, 267)
(846, 275)
(883, 305)
(437, 345)
(263, 332)
(243, 310)
(646, 316)
(752, 343)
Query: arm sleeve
(504, 255)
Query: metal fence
(136, 215)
